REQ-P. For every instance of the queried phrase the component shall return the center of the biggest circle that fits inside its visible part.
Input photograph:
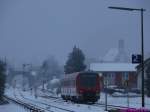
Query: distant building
(117, 73)
(117, 55)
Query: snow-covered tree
(54, 85)
(50, 68)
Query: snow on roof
(113, 67)
(53, 81)
(111, 55)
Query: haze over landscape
(30, 30)
(74, 55)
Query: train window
(88, 80)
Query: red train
(81, 87)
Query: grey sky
(32, 29)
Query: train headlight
(80, 91)
(97, 91)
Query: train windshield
(88, 79)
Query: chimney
(121, 46)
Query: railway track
(54, 98)
(45, 104)
(60, 101)
(31, 107)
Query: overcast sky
(30, 30)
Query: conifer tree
(75, 62)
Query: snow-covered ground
(50, 103)
(122, 101)
(11, 107)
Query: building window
(112, 75)
(126, 76)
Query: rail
(30, 107)
(46, 103)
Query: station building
(117, 73)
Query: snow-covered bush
(54, 85)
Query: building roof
(113, 67)
(111, 55)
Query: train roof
(74, 75)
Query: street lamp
(142, 44)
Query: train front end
(88, 86)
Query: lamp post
(106, 90)
(142, 44)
